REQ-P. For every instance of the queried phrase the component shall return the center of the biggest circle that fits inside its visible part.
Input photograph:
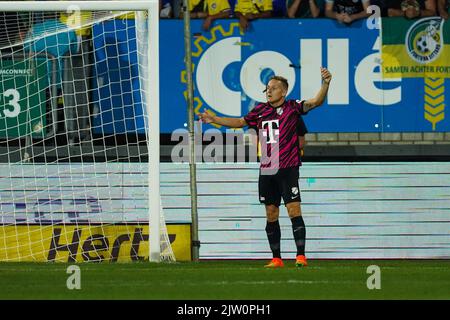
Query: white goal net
(79, 133)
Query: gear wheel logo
(200, 46)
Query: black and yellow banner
(415, 48)
(78, 243)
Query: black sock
(274, 235)
(299, 230)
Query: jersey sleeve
(298, 106)
(218, 6)
(238, 7)
(267, 5)
(252, 117)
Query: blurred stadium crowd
(345, 11)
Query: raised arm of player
(223, 121)
(321, 95)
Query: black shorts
(283, 184)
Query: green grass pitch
(235, 280)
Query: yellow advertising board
(79, 243)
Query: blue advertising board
(231, 69)
(116, 86)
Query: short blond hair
(283, 80)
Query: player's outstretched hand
(326, 75)
(205, 117)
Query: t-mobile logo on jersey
(272, 129)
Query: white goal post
(151, 91)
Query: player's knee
(272, 213)
(293, 209)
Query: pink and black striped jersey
(277, 130)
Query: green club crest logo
(424, 41)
